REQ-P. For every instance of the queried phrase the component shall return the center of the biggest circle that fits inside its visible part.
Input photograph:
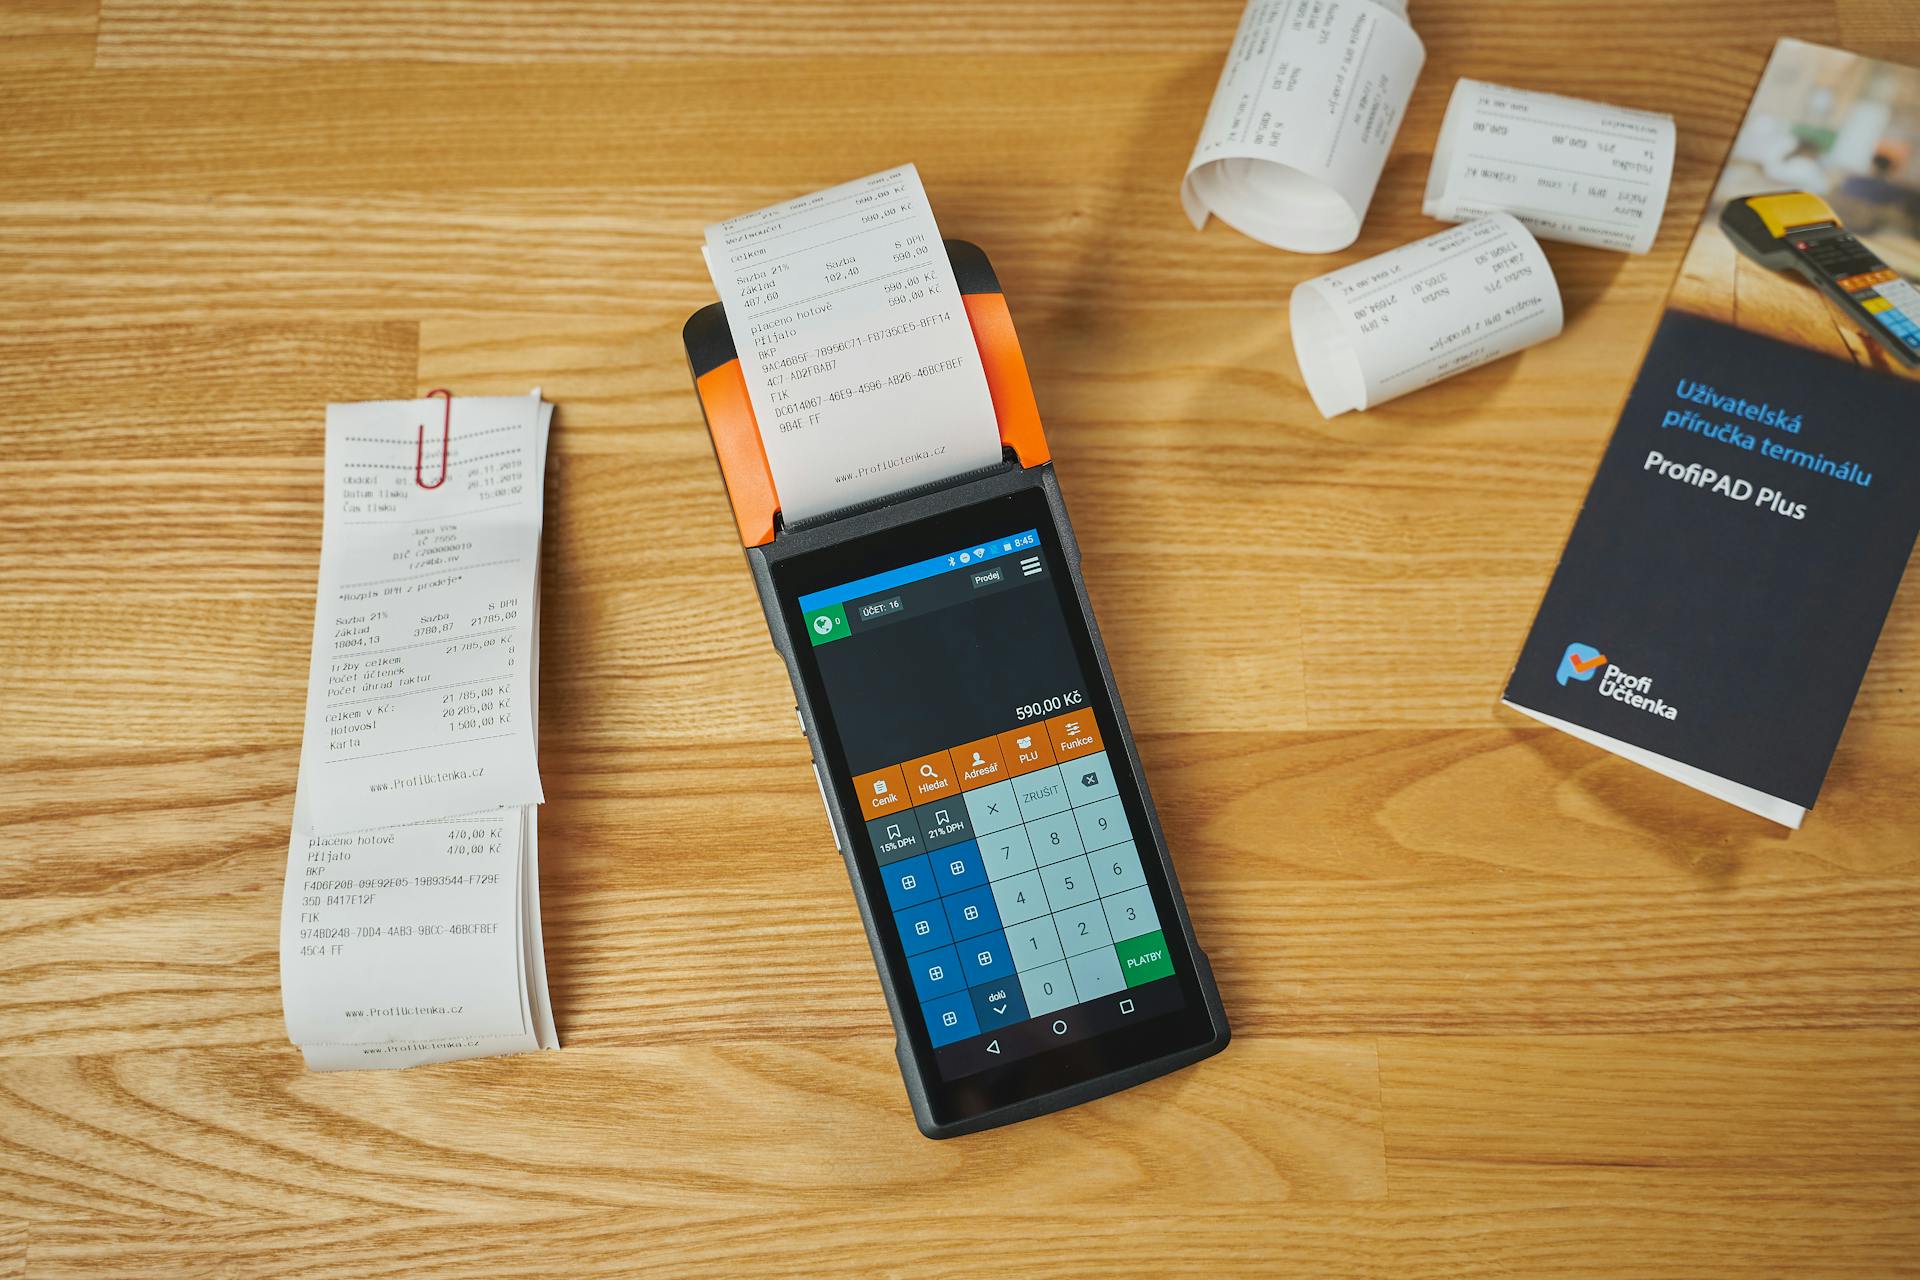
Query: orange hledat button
(1026, 749)
(882, 792)
(1074, 734)
(930, 777)
(979, 763)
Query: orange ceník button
(979, 763)
(1074, 735)
(930, 777)
(882, 792)
(1026, 749)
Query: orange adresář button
(882, 792)
(930, 777)
(1026, 749)
(979, 763)
(1074, 735)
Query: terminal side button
(826, 808)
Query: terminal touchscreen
(1016, 881)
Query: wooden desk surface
(1504, 1005)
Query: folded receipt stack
(410, 923)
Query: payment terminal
(1798, 231)
(975, 761)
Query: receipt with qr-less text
(1306, 110)
(859, 360)
(419, 697)
(1573, 170)
(410, 917)
(401, 946)
(1407, 318)
(406, 932)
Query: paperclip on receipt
(1425, 311)
(1572, 170)
(1303, 117)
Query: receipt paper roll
(1572, 170)
(1425, 311)
(1306, 109)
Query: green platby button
(1143, 959)
(827, 624)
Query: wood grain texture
(1880, 24)
(1505, 1006)
(145, 33)
(47, 33)
(423, 1139)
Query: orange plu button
(1074, 735)
(1026, 749)
(882, 792)
(930, 777)
(979, 763)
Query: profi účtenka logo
(1583, 662)
(1579, 662)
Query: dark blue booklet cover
(1726, 581)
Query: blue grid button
(950, 1018)
(938, 972)
(922, 928)
(958, 867)
(909, 882)
(986, 958)
(971, 913)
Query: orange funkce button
(882, 792)
(1026, 749)
(1074, 735)
(930, 777)
(980, 763)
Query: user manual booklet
(1725, 583)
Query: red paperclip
(446, 436)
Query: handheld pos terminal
(1798, 231)
(975, 761)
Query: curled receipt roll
(1572, 170)
(1425, 311)
(1302, 119)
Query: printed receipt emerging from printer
(853, 339)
